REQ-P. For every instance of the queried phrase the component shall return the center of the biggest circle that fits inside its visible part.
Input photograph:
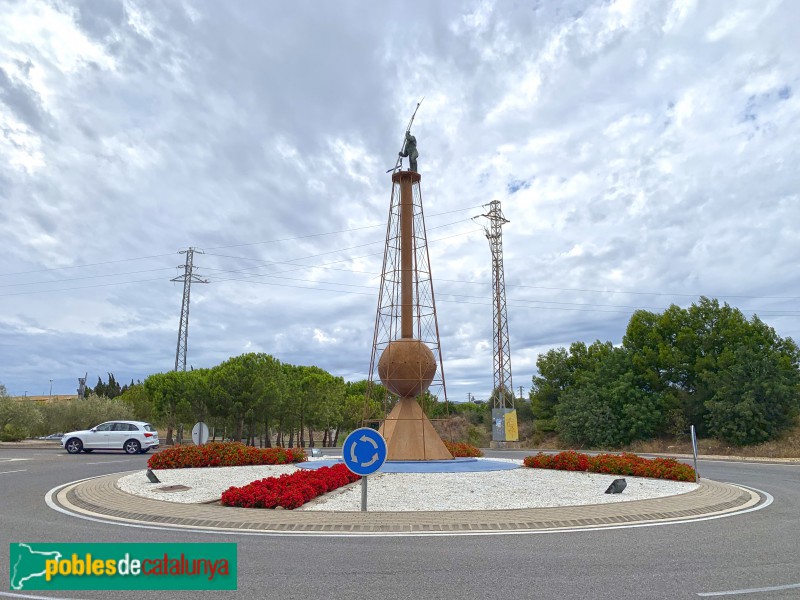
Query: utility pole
(504, 416)
(183, 328)
(51, 389)
(520, 392)
(502, 348)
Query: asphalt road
(757, 550)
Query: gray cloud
(22, 101)
(642, 148)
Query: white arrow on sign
(353, 456)
(371, 461)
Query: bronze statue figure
(410, 150)
(409, 146)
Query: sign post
(364, 452)
(694, 452)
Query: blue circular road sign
(364, 451)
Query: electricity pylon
(183, 328)
(503, 387)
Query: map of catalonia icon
(27, 563)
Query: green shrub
(19, 419)
(83, 413)
(13, 433)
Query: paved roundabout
(719, 540)
(101, 498)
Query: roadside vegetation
(707, 365)
(734, 379)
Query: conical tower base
(410, 435)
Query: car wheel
(145, 450)
(132, 447)
(73, 445)
(88, 450)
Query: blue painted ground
(457, 465)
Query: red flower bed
(563, 461)
(223, 454)
(614, 464)
(462, 449)
(290, 490)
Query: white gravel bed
(517, 488)
(492, 490)
(206, 484)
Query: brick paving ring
(100, 499)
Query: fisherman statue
(410, 150)
(409, 147)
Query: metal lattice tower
(183, 328)
(388, 317)
(503, 388)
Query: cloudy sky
(645, 153)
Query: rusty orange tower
(406, 328)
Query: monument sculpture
(406, 328)
(410, 150)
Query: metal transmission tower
(183, 328)
(504, 415)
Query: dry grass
(786, 447)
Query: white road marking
(749, 462)
(29, 597)
(13, 459)
(775, 588)
(18, 471)
(105, 462)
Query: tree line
(253, 397)
(707, 365)
(256, 398)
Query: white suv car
(131, 436)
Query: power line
(111, 262)
(7, 285)
(607, 291)
(299, 267)
(325, 265)
(582, 307)
(210, 254)
(328, 266)
(333, 251)
(512, 302)
(312, 235)
(83, 287)
(108, 262)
